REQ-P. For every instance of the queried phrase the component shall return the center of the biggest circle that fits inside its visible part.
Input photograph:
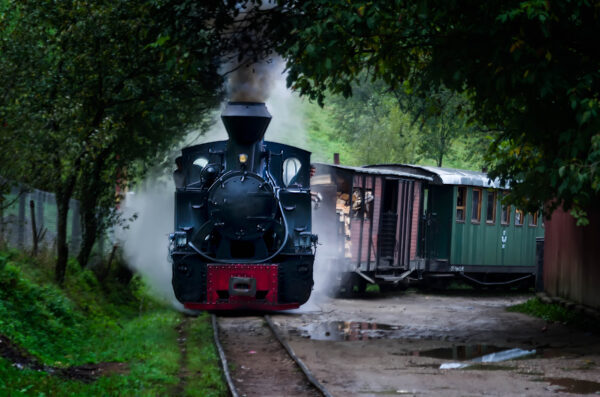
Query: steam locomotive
(242, 236)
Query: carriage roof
(445, 176)
(377, 171)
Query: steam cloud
(145, 243)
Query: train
(393, 224)
(242, 235)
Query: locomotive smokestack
(246, 122)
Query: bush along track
(88, 338)
(553, 312)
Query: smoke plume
(252, 82)
(145, 243)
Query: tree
(529, 69)
(442, 116)
(91, 88)
(373, 126)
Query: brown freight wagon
(368, 223)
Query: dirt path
(259, 365)
(183, 373)
(394, 345)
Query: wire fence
(39, 207)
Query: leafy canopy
(92, 89)
(530, 68)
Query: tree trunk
(442, 147)
(89, 232)
(63, 194)
(62, 248)
(90, 195)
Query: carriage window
(358, 205)
(490, 213)
(291, 171)
(533, 219)
(505, 218)
(201, 162)
(460, 204)
(519, 215)
(476, 206)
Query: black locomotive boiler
(243, 235)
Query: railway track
(258, 361)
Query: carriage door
(389, 220)
(426, 220)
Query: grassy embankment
(66, 336)
(553, 312)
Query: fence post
(35, 235)
(40, 199)
(21, 220)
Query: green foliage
(374, 128)
(202, 356)
(443, 119)
(526, 68)
(556, 313)
(323, 138)
(85, 322)
(24, 306)
(94, 90)
(379, 126)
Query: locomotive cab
(242, 220)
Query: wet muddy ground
(396, 344)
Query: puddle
(555, 353)
(348, 331)
(575, 386)
(460, 352)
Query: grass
(553, 312)
(85, 322)
(201, 358)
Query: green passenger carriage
(392, 223)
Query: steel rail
(223, 359)
(225, 366)
(311, 378)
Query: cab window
(291, 171)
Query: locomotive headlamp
(243, 158)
